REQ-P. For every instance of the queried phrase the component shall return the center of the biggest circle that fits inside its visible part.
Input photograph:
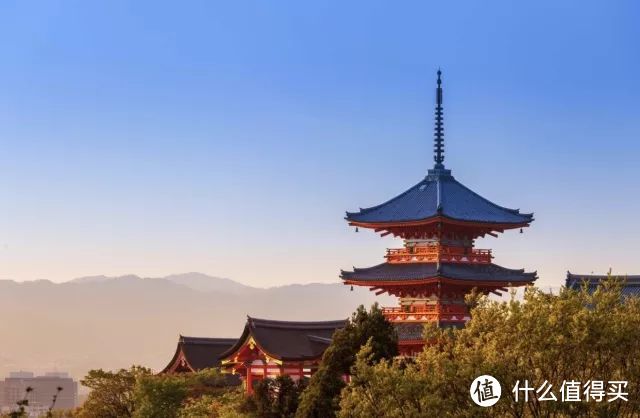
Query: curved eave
(441, 219)
(247, 335)
(439, 195)
(173, 361)
(242, 341)
(441, 279)
(310, 337)
(179, 354)
(228, 358)
(412, 274)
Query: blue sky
(230, 137)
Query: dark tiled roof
(631, 284)
(416, 271)
(201, 353)
(439, 194)
(288, 340)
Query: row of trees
(138, 393)
(576, 336)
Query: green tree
(171, 396)
(275, 398)
(231, 404)
(160, 396)
(572, 336)
(210, 382)
(167, 396)
(112, 393)
(138, 393)
(322, 396)
(386, 389)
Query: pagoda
(439, 220)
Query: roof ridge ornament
(438, 138)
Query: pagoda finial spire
(438, 138)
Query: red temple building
(267, 349)
(439, 220)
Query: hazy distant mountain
(195, 281)
(107, 322)
(99, 279)
(204, 283)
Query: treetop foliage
(572, 336)
(322, 396)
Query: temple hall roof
(398, 272)
(631, 284)
(288, 340)
(439, 194)
(198, 353)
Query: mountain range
(113, 322)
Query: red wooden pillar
(249, 381)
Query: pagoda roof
(439, 195)
(630, 285)
(198, 353)
(287, 340)
(415, 272)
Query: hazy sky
(229, 137)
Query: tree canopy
(321, 398)
(112, 393)
(275, 398)
(138, 393)
(574, 336)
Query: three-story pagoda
(439, 220)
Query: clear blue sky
(229, 137)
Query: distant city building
(14, 389)
(21, 375)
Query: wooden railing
(438, 253)
(426, 313)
